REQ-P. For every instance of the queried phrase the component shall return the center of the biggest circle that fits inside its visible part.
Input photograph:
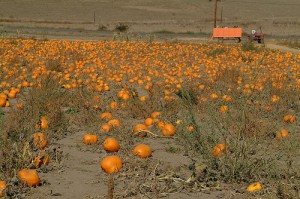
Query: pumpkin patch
(211, 114)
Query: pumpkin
(90, 139)
(114, 105)
(254, 187)
(114, 122)
(224, 109)
(140, 129)
(40, 140)
(168, 130)
(7, 104)
(12, 94)
(142, 150)
(282, 134)
(219, 149)
(190, 128)
(106, 116)
(111, 164)
(289, 118)
(155, 114)
(3, 95)
(29, 177)
(111, 145)
(160, 125)
(106, 127)
(2, 187)
(142, 98)
(2, 101)
(214, 96)
(149, 121)
(44, 122)
(41, 159)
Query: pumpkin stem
(111, 186)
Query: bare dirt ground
(80, 176)
(276, 17)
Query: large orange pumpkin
(142, 150)
(29, 177)
(111, 145)
(111, 164)
(168, 130)
(90, 139)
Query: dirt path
(79, 175)
(282, 48)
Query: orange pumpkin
(114, 122)
(140, 130)
(111, 164)
(139, 127)
(41, 159)
(142, 150)
(114, 105)
(29, 177)
(12, 94)
(40, 140)
(2, 102)
(190, 128)
(168, 130)
(149, 121)
(155, 114)
(2, 187)
(282, 134)
(161, 125)
(224, 109)
(90, 139)
(111, 145)
(106, 116)
(44, 122)
(106, 127)
(7, 104)
(219, 149)
(254, 187)
(289, 118)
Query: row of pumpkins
(112, 164)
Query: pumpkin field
(125, 119)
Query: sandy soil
(276, 17)
(79, 175)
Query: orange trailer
(227, 33)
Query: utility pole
(222, 16)
(215, 17)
